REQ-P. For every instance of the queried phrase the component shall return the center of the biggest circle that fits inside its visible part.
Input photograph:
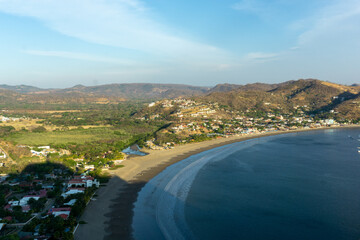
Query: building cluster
(78, 184)
(37, 196)
(193, 118)
(41, 151)
(9, 119)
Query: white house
(70, 203)
(62, 212)
(89, 167)
(83, 181)
(24, 201)
(72, 191)
(117, 162)
(44, 147)
(36, 153)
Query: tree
(39, 129)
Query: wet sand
(109, 215)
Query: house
(71, 191)
(329, 121)
(3, 177)
(25, 208)
(2, 226)
(24, 201)
(48, 186)
(36, 153)
(44, 147)
(50, 176)
(71, 202)
(8, 207)
(14, 203)
(83, 181)
(8, 218)
(61, 212)
(89, 167)
(118, 162)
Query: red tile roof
(64, 216)
(51, 210)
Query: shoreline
(110, 216)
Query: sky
(57, 44)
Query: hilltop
(313, 96)
(106, 93)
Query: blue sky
(50, 43)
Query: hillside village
(192, 120)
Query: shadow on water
(120, 216)
(119, 219)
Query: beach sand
(109, 215)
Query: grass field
(69, 136)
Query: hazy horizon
(58, 44)
(209, 86)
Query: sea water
(294, 186)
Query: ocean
(294, 186)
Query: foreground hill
(310, 95)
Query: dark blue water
(297, 186)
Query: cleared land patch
(78, 136)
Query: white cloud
(261, 56)
(120, 23)
(332, 22)
(252, 6)
(78, 56)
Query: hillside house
(61, 212)
(83, 181)
(24, 201)
(72, 191)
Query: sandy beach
(109, 214)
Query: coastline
(110, 215)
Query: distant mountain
(224, 87)
(20, 88)
(131, 91)
(139, 90)
(314, 95)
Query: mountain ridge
(312, 95)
